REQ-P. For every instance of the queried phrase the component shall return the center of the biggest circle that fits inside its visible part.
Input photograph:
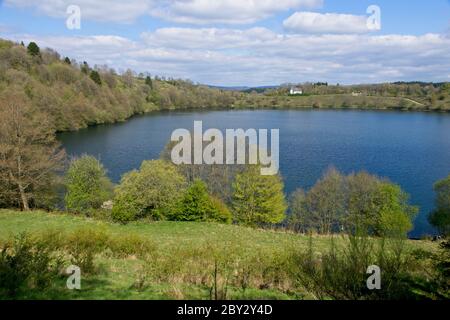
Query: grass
(177, 243)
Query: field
(188, 260)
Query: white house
(295, 91)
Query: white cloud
(208, 38)
(99, 10)
(258, 56)
(227, 11)
(313, 22)
(185, 11)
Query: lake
(411, 149)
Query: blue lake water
(411, 149)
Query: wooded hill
(75, 95)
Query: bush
(87, 185)
(198, 205)
(341, 274)
(440, 217)
(131, 244)
(151, 192)
(27, 264)
(84, 244)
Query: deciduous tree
(29, 153)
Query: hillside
(181, 257)
(75, 95)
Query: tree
(394, 214)
(30, 156)
(149, 82)
(297, 215)
(198, 205)
(153, 192)
(258, 199)
(95, 76)
(87, 185)
(33, 49)
(440, 217)
(85, 68)
(67, 60)
(357, 204)
(325, 203)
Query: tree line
(75, 95)
(38, 85)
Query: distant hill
(259, 89)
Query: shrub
(87, 185)
(27, 264)
(151, 192)
(440, 217)
(341, 274)
(84, 244)
(131, 244)
(198, 205)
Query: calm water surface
(411, 149)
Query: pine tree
(95, 76)
(33, 49)
(148, 81)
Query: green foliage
(325, 203)
(27, 264)
(209, 260)
(87, 185)
(149, 82)
(198, 205)
(443, 270)
(258, 199)
(394, 216)
(83, 245)
(33, 49)
(341, 272)
(297, 214)
(129, 244)
(95, 76)
(354, 203)
(151, 192)
(67, 60)
(440, 217)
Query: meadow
(172, 260)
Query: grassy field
(339, 101)
(178, 244)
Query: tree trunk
(24, 198)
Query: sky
(245, 42)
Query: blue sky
(245, 42)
